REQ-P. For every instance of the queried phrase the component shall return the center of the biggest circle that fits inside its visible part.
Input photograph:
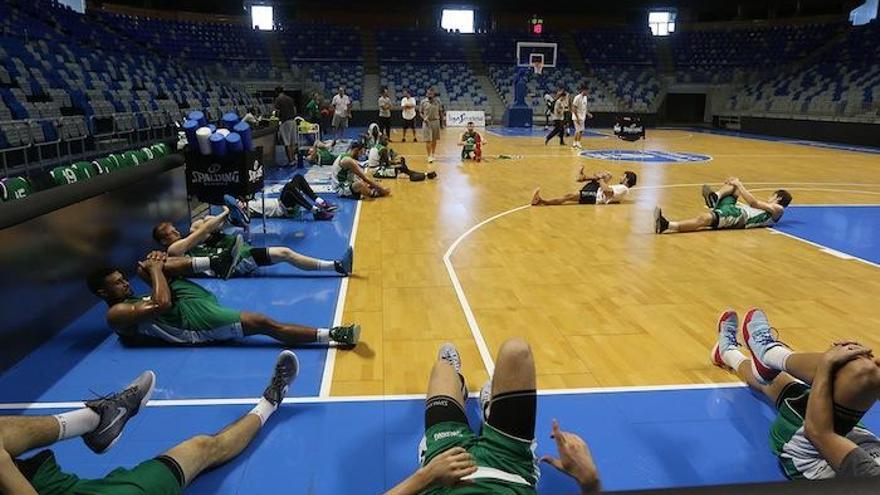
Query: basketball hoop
(538, 67)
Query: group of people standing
(566, 112)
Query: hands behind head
(841, 353)
(449, 467)
(574, 459)
(153, 259)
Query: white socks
(320, 201)
(776, 357)
(326, 265)
(733, 358)
(77, 423)
(323, 335)
(263, 410)
(201, 264)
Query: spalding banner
(460, 118)
(208, 178)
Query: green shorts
(728, 215)
(148, 478)
(492, 449)
(196, 309)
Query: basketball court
(622, 359)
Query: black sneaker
(709, 197)
(432, 175)
(286, 369)
(345, 266)
(115, 411)
(346, 335)
(223, 263)
(660, 223)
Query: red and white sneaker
(728, 323)
(759, 339)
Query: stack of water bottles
(233, 135)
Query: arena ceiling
(722, 9)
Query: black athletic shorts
(589, 193)
(409, 124)
(512, 413)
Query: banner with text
(460, 118)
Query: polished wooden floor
(603, 301)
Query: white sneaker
(430, 159)
(486, 400)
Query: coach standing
(385, 114)
(286, 109)
(430, 111)
(408, 112)
(341, 112)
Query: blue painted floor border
(802, 142)
(640, 440)
(86, 352)
(852, 230)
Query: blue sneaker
(237, 216)
(759, 339)
(728, 324)
(345, 266)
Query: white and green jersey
(756, 217)
(341, 177)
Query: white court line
(330, 361)
(465, 304)
(825, 249)
(462, 299)
(249, 401)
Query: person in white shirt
(341, 112)
(408, 112)
(598, 190)
(580, 114)
(385, 113)
(558, 116)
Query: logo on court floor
(646, 156)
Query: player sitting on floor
(181, 312)
(101, 423)
(501, 459)
(205, 239)
(387, 164)
(471, 143)
(348, 178)
(598, 190)
(816, 433)
(296, 196)
(726, 213)
(320, 154)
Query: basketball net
(538, 67)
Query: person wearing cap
(431, 109)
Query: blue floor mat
(641, 440)
(849, 229)
(86, 355)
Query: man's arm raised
(199, 233)
(125, 315)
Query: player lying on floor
(205, 239)
(387, 164)
(178, 311)
(598, 190)
(471, 143)
(725, 213)
(296, 196)
(348, 178)
(320, 153)
(501, 459)
(816, 433)
(101, 423)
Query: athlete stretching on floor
(297, 195)
(181, 312)
(817, 431)
(501, 459)
(320, 154)
(206, 239)
(471, 143)
(726, 213)
(381, 158)
(348, 178)
(598, 190)
(100, 424)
